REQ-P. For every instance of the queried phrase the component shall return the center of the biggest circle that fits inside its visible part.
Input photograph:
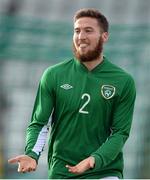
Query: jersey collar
(83, 68)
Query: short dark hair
(93, 13)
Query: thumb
(14, 160)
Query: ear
(105, 36)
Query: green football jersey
(91, 114)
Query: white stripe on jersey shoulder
(41, 140)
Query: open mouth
(83, 45)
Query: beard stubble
(91, 55)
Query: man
(91, 103)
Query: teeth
(83, 45)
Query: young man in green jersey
(90, 101)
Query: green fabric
(91, 116)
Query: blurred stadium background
(35, 34)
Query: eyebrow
(88, 27)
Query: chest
(85, 93)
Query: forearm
(109, 150)
(35, 140)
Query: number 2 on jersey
(87, 98)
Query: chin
(83, 52)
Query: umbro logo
(66, 86)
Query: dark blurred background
(35, 34)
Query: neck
(92, 64)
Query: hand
(82, 166)
(25, 163)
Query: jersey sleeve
(38, 127)
(121, 124)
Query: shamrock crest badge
(108, 91)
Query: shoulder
(118, 72)
(49, 74)
(54, 69)
(121, 79)
(58, 67)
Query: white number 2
(85, 96)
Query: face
(87, 39)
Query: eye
(89, 30)
(77, 31)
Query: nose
(82, 35)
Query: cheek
(75, 41)
(94, 42)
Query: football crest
(108, 91)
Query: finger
(68, 166)
(22, 170)
(33, 169)
(73, 169)
(29, 170)
(19, 167)
(13, 160)
(92, 162)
